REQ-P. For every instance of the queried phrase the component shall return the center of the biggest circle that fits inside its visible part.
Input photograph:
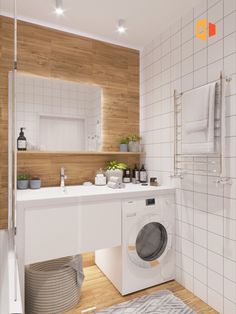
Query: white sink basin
(81, 192)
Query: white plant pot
(123, 147)
(134, 146)
(114, 173)
(22, 184)
(35, 184)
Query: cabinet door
(51, 232)
(100, 225)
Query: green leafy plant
(22, 177)
(124, 140)
(113, 165)
(134, 138)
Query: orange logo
(204, 29)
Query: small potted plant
(22, 181)
(124, 144)
(134, 143)
(115, 169)
(35, 183)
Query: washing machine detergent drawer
(138, 205)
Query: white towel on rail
(198, 115)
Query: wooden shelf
(80, 153)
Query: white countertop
(80, 193)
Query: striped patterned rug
(161, 302)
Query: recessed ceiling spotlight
(121, 27)
(59, 7)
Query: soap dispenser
(21, 141)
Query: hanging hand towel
(198, 111)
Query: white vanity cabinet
(56, 231)
(100, 225)
(50, 232)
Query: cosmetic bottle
(21, 141)
(135, 175)
(127, 176)
(143, 175)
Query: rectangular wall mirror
(58, 115)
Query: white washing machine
(146, 257)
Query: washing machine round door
(149, 242)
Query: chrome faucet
(63, 177)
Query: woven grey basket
(52, 287)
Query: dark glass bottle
(21, 141)
(126, 176)
(135, 174)
(143, 175)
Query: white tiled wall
(40, 95)
(94, 117)
(206, 213)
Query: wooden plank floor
(98, 291)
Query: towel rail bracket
(177, 176)
(224, 181)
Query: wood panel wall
(6, 63)
(78, 169)
(52, 53)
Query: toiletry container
(127, 176)
(154, 182)
(100, 179)
(135, 174)
(21, 140)
(143, 175)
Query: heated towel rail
(214, 164)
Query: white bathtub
(10, 299)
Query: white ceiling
(98, 18)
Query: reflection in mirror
(58, 115)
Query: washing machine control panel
(150, 201)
